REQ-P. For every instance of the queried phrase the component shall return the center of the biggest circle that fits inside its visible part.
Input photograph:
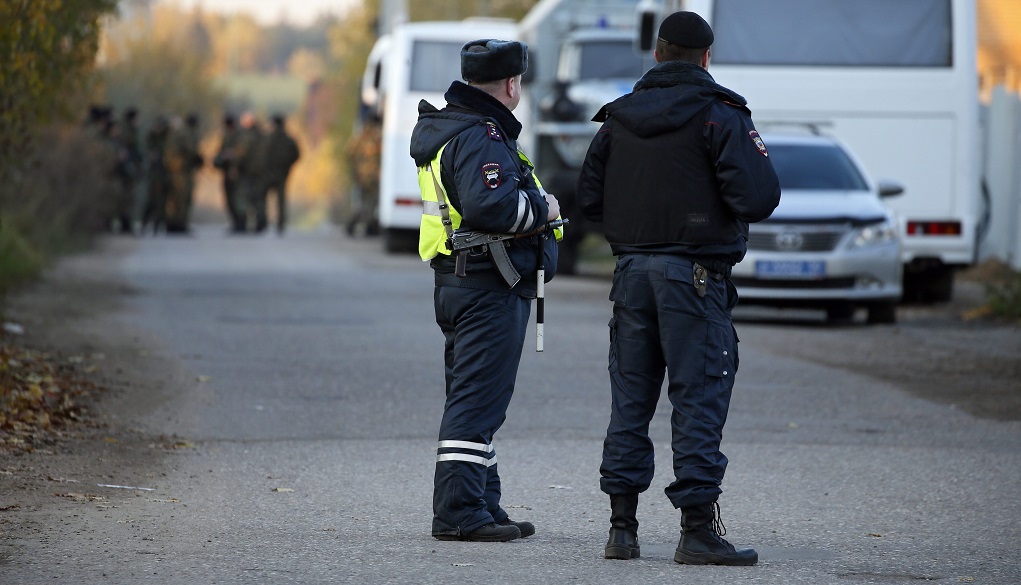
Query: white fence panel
(1003, 178)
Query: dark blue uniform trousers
(484, 332)
(661, 323)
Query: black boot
(491, 532)
(702, 541)
(526, 528)
(623, 540)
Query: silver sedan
(831, 243)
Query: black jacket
(677, 167)
(487, 183)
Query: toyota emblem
(789, 241)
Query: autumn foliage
(40, 394)
(47, 48)
(47, 52)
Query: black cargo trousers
(484, 332)
(661, 324)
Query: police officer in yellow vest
(473, 177)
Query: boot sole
(469, 538)
(622, 553)
(690, 559)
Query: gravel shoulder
(936, 352)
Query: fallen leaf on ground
(77, 497)
(40, 395)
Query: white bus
(896, 81)
(416, 61)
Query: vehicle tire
(567, 255)
(933, 284)
(840, 313)
(940, 285)
(882, 313)
(396, 241)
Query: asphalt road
(294, 388)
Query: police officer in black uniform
(490, 188)
(675, 174)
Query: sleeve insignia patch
(494, 132)
(758, 142)
(492, 174)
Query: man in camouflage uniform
(279, 152)
(247, 155)
(156, 177)
(182, 159)
(118, 203)
(363, 156)
(226, 162)
(131, 172)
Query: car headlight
(873, 234)
(572, 148)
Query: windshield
(815, 166)
(611, 59)
(434, 64)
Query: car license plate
(790, 269)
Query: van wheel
(882, 313)
(397, 241)
(840, 313)
(931, 284)
(567, 256)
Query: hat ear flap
(490, 60)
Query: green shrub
(1003, 297)
(58, 201)
(19, 262)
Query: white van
(417, 61)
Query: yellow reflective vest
(433, 235)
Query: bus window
(434, 64)
(864, 33)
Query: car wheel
(882, 313)
(840, 313)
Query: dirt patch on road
(63, 334)
(949, 353)
(940, 352)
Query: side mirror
(888, 188)
(646, 29)
(529, 75)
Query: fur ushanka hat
(487, 60)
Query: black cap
(487, 60)
(686, 29)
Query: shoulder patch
(493, 132)
(492, 174)
(758, 142)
